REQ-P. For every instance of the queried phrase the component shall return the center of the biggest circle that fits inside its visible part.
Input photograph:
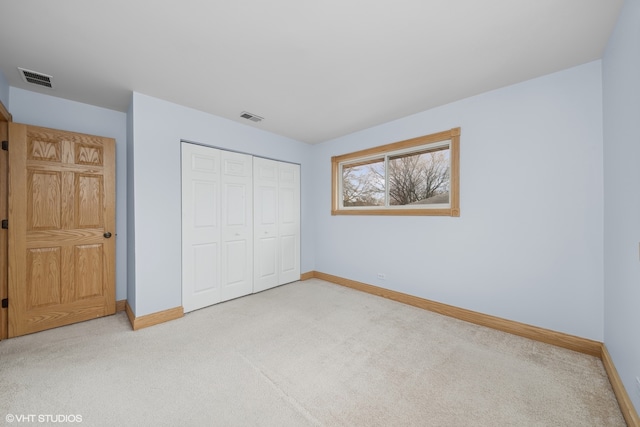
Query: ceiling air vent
(36, 78)
(251, 117)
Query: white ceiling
(315, 70)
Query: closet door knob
(107, 235)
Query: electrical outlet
(382, 276)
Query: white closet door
(237, 225)
(276, 223)
(288, 222)
(265, 228)
(240, 225)
(200, 226)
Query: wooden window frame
(452, 135)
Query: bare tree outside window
(418, 176)
(414, 178)
(361, 187)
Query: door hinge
(5, 303)
(5, 145)
(5, 224)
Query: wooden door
(61, 228)
(237, 225)
(200, 226)
(265, 227)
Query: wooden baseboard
(153, 318)
(306, 276)
(624, 401)
(130, 315)
(121, 305)
(548, 336)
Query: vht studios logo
(43, 418)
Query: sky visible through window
(419, 177)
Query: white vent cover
(251, 117)
(36, 78)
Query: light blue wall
(4, 91)
(528, 243)
(158, 128)
(47, 111)
(530, 234)
(621, 77)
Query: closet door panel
(200, 226)
(205, 272)
(237, 225)
(288, 257)
(241, 225)
(265, 227)
(288, 222)
(267, 267)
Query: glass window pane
(420, 178)
(363, 183)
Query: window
(419, 176)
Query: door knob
(107, 235)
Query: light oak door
(61, 228)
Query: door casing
(5, 119)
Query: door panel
(43, 203)
(235, 204)
(235, 254)
(88, 274)
(200, 226)
(61, 205)
(237, 229)
(287, 253)
(88, 195)
(266, 272)
(289, 222)
(268, 204)
(276, 223)
(287, 208)
(265, 224)
(206, 270)
(43, 284)
(205, 205)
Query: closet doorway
(240, 225)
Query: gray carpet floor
(304, 354)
